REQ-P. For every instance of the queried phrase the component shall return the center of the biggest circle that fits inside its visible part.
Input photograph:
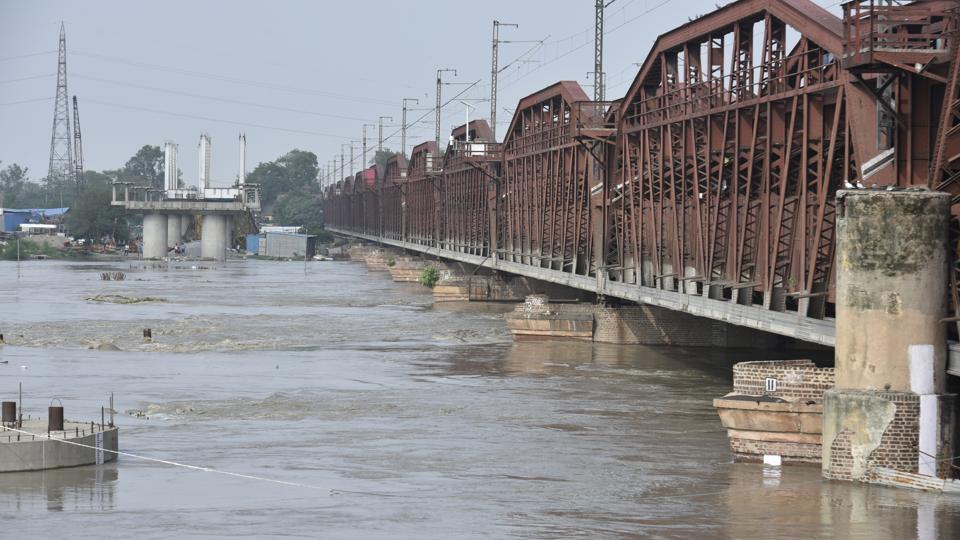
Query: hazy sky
(291, 74)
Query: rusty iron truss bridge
(710, 187)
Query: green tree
(300, 208)
(145, 167)
(381, 157)
(295, 171)
(12, 181)
(92, 216)
(33, 195)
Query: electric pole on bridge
(403, 125)
(365, 143)
(599, 92)
(494, 71)
(351, 157)
(380, 138)
(440, 73)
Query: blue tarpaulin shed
(14, 217)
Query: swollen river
(355, 408)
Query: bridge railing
(681, 98)
(462, 151)
(595, 117)
(871, 26)
(541, 138)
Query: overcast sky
(292, 74)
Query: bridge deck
(788, 324)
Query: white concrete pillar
(213, 237)
(669, 278)
(228, 229)
(689, 285)
(646, 272)
(154, 236)
(173, 230)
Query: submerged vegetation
(30, 249)
(429, 276)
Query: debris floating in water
(120, 299)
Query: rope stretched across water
(173, 463)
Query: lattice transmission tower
(61, 168)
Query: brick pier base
(867, 431)
(632, 325)
(776, 408)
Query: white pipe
(169, 166)
(204, 175)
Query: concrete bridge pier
(186, 221)
(629, 324)
(213, 237)
(228, 231)
(173, 230)
(888, 420)
(154, 236)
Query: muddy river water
(388, 416)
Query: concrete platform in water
(31, 445)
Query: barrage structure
(710, 187)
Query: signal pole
(494, 71)
(439, 102)
(403, 125)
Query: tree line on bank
(290, 192)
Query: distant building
(11, 219)
(281, 228)
(253, 243)
(287, 245)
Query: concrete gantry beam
(154, 236)
(213, 237)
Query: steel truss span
(714, 177)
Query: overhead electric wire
(28, 78)
(215, 98)
(339, 170)
(235, 80)
(26, 101)
(211, 119)
(19, 56)
(582, 45)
